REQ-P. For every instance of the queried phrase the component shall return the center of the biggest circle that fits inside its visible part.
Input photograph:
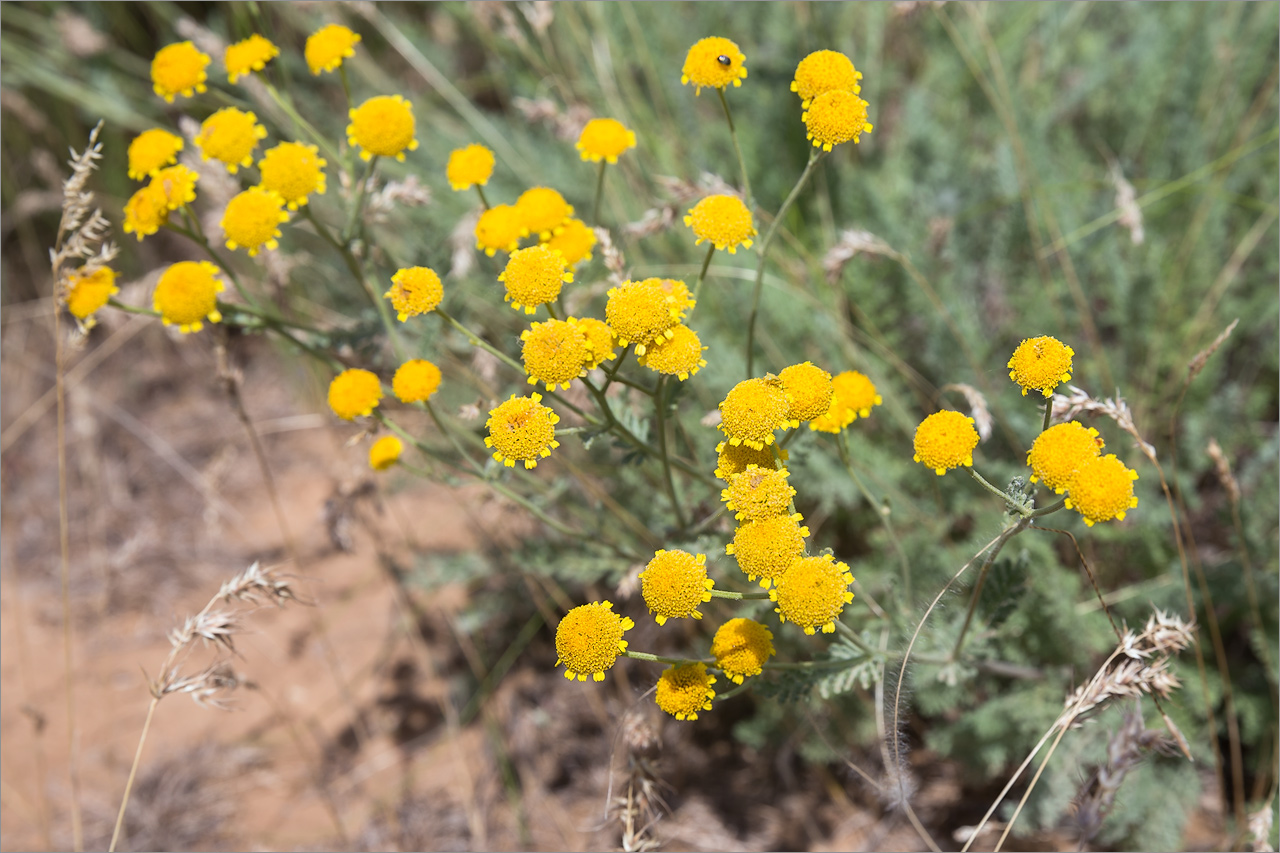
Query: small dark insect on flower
(723, 60)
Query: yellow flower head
(383, 126)
(415, 380)
(229, 136)
(685, 690)
(522, 429)
(678, 296)
(1059, 451)
(759, 493)
(639, 313)
(1102, 489)
(945, 440)
(187, 294)
(766, 548)
(599, 341)
(151, 151)
(354, 393)
(741, 647)
(499, 229)
(543, 211)
(734, 459)
(680, 356)
(674, 584)
(809, 391)
(469, 167)
(87, 292)
(245, 57)
(813, 592)
(1040, 364)
(605, 139)
(295, 170)
(722, 220)
(385, 452)
(178, 183)
(824, 71)
(533, 277)
(589, 640)
(853, 395)
(836, 117)
(252, 220)
(414, 291)
(713, 62)
(178, 69)
(574, 239)
(554, 352)
(328, 46)
(146, 210)
(752, 410)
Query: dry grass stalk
(1125, 750)
(682, 194)
(853, 242)
(614, 262)
(640, 808)
(566, 124)
(1067, 406)
(1197, 364)
(1126, 202)
(1223, 469)
(977, 407)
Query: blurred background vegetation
(994, 182)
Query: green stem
(982, 481)
(1048, 414)
(346, 86)
(659, 658)
(595, 206)
(284, 104)
(853, 637)
(201, 241)
(702, 274)
(132, 309)
(1053, 507)
(659, 408)
(815, 155)
(349, 232)
(738, 596)
(483, 200)
(880, 510)
(982, 578)
(733, 135)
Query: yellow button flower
(589, 640)
(679, 298)
(722, 220)
(834, 118)
(522, 429)
(685, 690)
(354, 393)
(759, 493)
(639, 313)
(809, 391)
(533, 277)
(415, 380)
(469, 167)
(178, 69)
(414, 291)
(187, 294)
(499, 229)
(853, 395)
(543, 211)
(328, 46)
(680, 356)
(385, 452)
(383, 126)
(1102, 489)
(604, 139)
(752, 410)
(1041, 363)
(824, 71)
(89, 291)
(813, 593)
(178, 183)
(713, 62)
(152, 150)
(674, 584)
(767, 547)
(741, 648)
(1058, 452)
(252, 220)
(599, 341)
(554, 352)
(945, 440)
(230, 136)
(245, 57)
(145, 211)
(295, 170)
(734, 459)
(575, 240)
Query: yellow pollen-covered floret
(599, 341)
(554, 352)
(230, 136)
(469, 167)
(604, 139)
(533, 277)
(589, 640)
(245, 57)
(945, 440)
(722, 220)
(522, 430)
(1041, 364)
(836, 117)
(295, 170)
(543, 211)
(178, 183)
(252, 220)
(499, 229)
(385, 452)
(354, 393)
(383, 126)
(685, 689)
(178, 69)
(679, 298)
(759, 493)
(89, 291)
(1102, 489)
(741, 648)
(414, 291)
(812, 593)
(752, 410)
(575, 240)
(680, 356)
(809, 391)
(674, 584)
(415, 380)
(824, 71)
(146, 210)
(734, 458)
(767, 547)
(639, 313)
(714, 62)
(1058, 452)
(853, 395)
(328, 46)
(151, 151)
(187, 294)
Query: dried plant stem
(1030, 787)
(133, 772)
(982, 579)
